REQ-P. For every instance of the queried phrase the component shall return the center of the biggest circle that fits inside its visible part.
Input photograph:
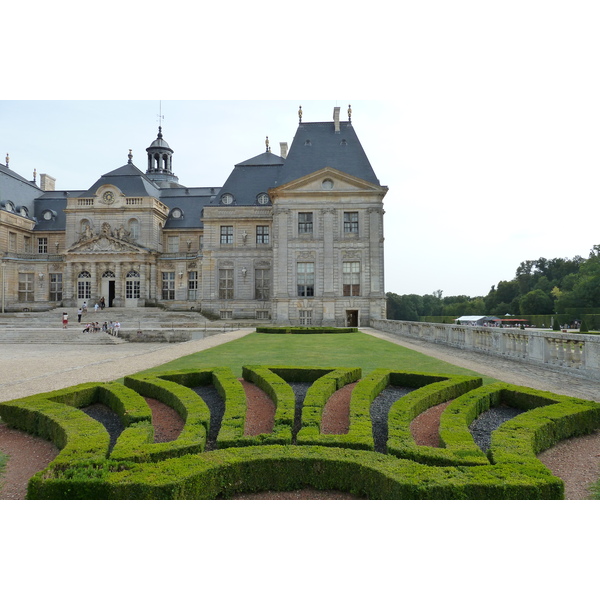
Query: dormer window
(48, 215)
(262, 198)
(227, 199)
(9, 206)
(176, 213)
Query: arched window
(132, 285)
(134, 228)
(84, 285)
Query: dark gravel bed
(300, 388)
(482, 427)
(215, 404)
(108, 418)
(380, 407)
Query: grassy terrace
(327, 350)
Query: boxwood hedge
(137, 468)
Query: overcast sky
(482, 120)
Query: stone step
(73, 336)
(132, 317)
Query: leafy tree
(536, 302)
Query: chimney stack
(47, 183)
(336, 118)
(283, 149)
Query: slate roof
(318, 145)
(129, 179)
(191, 202)
(17, 189)
(252, 177)
(56, 202)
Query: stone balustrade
(574, 353)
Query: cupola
(160, 160)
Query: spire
(267, 144)
(300, 114)
(7, 160)
(349, 113)
(130, 157)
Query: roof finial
(34, 175)
(300, 114)
(267, 144)
(129, 157)
(7, 160)
(349, 113)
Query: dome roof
(159, 142)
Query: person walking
(96, 307)
(102, 303)
(79, 313)
(65, 320)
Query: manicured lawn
(321, 350)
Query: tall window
(306, 278)
(26, 287)
(43, 245)
(12, 241)
(132, 285)
(84, 285)
(173, 243)
(305, 222)
(192, 284)
(351, 278)
(262, 234)
(27, 244)
(134, 229)
(226, 284)
(262, 284)
(226, 234)
(351, 222)
(168, 285)
(56, 287)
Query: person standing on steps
(102, 303)
(65, 320)
(79, 313)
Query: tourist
(96, 307)
(117, 327)
(65, 320)
(102, 303)
(79, 313)
(84, 308)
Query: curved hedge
(139, 468)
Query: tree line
(540, 287)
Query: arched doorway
(108, 287)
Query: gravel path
(576, 461)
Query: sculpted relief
(108, 240)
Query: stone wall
(572, 353)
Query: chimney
(47, 183)
(336, 118)
(283, 149)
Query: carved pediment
(105, 244)
(327, 180)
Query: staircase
(46, 327)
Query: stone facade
(292, 239)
